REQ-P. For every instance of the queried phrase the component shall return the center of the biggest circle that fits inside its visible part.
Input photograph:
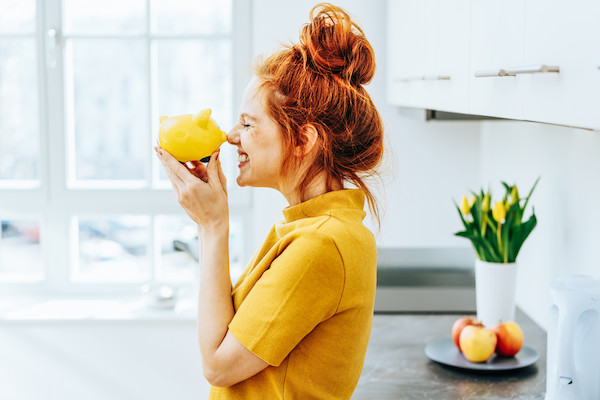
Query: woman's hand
(201, 190)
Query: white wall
(566, 201)
(426, 165)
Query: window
(84, 203)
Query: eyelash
(245, 125)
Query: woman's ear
(309, 136)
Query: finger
(213, 170)
(222, 177)
(173, 167)
(162, 157)
(198, 169)
(176, 182)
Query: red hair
(319, 82)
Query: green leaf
(524, 231)
(506, 228)
(530, 192)
(484, 251)
(476, 213)
(516, 212)
(474, 241)
(491, 245)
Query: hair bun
(334, 44)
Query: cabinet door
(411, 51)
(565, 34)
(452, 57)
(497, 40)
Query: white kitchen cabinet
(428, 53)
(536, 60)
(497, 42)
(411, 51)
(452, 57)
(565, 34)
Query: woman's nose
(233, 137)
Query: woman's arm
(202, 192)
(225, 360)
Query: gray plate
(445, 352)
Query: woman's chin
(241, 180)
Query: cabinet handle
(533, 69)
(424, 78)
(492, 72)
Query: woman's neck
(317, 187)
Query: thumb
(222, 178)
(212, 170)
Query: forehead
(253, 96)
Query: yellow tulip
(466, 206)
(499, 212)
(514, 195)
(485, 204)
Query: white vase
(495, 292)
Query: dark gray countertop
(396, 366)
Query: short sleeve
(301, 288)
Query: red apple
(477, 343)
(459, 325)
(510, 338)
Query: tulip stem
(499, 236)
(483, 225)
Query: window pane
(113, 249)
(178, 238)
(104, 17)
(20, 251)
(191, 17)
(193, 75)
(179, 253)
(109, 109)
(17, 16)
(19, 119)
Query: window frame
(58, 204)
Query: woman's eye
(246, 125)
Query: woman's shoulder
(334, 231)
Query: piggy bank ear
(202, 117)
(162, 118)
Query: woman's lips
(243, 158)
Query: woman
(297, 323)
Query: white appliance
(573, 354)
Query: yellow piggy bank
(190, 137)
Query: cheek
(246, 141)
